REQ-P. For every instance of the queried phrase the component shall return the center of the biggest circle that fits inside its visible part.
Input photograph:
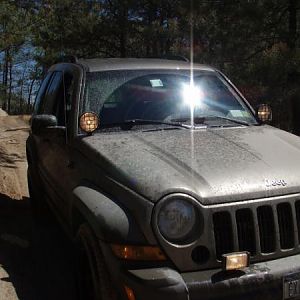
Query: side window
(54, 95)
(41, 93)
(57, 99)
(54, 99)
(69, 92)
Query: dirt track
(34, 262)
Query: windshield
(163, 95)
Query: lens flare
(192, 95)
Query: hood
(216, 165)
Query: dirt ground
(35, 263)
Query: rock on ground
(2, 113)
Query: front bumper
(259, 281)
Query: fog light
(129, 293)
(264, 113)
(89, 122)
(235, 261)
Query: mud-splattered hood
(215, 165)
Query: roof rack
(172, 57)
(75, 59)
(67, 59)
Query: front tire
(93, 281)
(39, 207)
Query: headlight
(176, 219)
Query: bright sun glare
(192, 95)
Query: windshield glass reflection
(162, 96)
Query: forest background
(254, 42)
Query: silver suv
(167, 181)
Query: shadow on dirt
(37, 259)
(15, 254)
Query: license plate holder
(291, 286)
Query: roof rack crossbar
(67, 59)
(172, 57)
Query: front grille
(266, 227)
(262, 230)
(245, 230)
(223, 233)
(297, 206)
(286, 226)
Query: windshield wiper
(128, 124)
(229, 119)
(201, 120)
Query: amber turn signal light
(235, 261)
(129, 293)
(130, 252)
(89, 122)
(264, 113)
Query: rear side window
(54, 103)
(69, 94)
(54, 95)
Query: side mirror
(40, 122)
(264, 113)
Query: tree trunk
(29, 95)
(292, 37)
(162, 36)
(5, 77)
(123, 44)
(149, 25)
(21, 89)
(10, 88)
(123, 33)
(21, 98)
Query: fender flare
(31, 153)
(110, 222)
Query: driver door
(53, 147)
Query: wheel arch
(109, 220)
(31, 152)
